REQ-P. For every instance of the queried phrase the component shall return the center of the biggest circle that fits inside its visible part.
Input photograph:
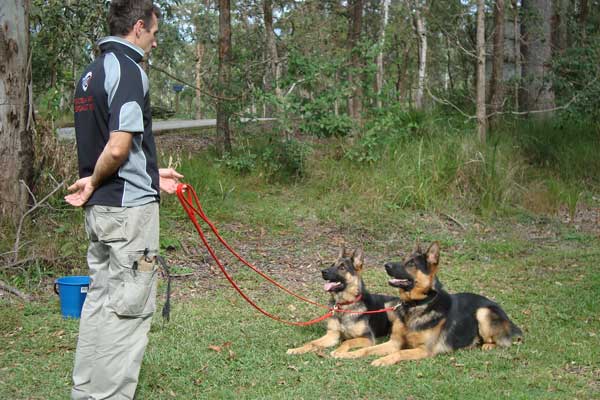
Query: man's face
(147, 36)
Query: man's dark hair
(123, 14)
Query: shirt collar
(123, 45)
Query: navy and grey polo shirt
(112, 95)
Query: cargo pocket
(135, 294)
(111, 223)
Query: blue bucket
(72, 291)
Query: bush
(278, 159)
(242, 163)
(566, 147)
(285, 159)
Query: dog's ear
(358, 259)
(417, 249)
(433, 256)
(342, 252)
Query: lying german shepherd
(429, 321)
(348, 292)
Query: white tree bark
(385, 6)
(419, 7)
(16, 139)
(273, 71)
(481, 117)
(199, 58)
(497, 78)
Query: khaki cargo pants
(116, 315)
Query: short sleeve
(125, 90)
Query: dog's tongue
(329, 286)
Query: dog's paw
(346, 354)
(339, 354)
(299, 350)
(383, 362)
(488, 346)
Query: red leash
(187, 195)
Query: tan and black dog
(348, 292)
(429, 321)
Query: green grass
(504, 242)
(550, 291)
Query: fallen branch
(36, 204)
(15, 292)
(451, 218)
(30, 260)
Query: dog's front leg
(409, 354)
(352, 344)
(380, 350)
(329, 340)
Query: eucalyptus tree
(355, 15)
(16, 109)
(272, 74)
(497, 77)
(385, 7)
(225, 59)
(481, 109)
(419, 12)
(537, 94)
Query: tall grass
(566, 147)
(423, 166)
(402, 164)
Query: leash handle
(186, 195)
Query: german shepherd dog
(348, 292)
(428, 321)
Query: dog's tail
(513, 332)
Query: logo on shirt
(86, 80)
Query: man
(119, 187)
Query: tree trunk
(481, 117)
(582, 18)
(200, 50)
(200, 19)
(421, 31)
(537, 93)
(16, 119)
(385, 5)
(402, 67)
(517, 52)
(355, 10)
(449, 81)
(223, 106)
(559, 26)
(497, 78)
(273, 70)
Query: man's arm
(112, 157)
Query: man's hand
(169, 179)
(83, 190)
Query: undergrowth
(403, 163)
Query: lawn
(544, 273)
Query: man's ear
(433, 256)
(137, 28)
(358, 259)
